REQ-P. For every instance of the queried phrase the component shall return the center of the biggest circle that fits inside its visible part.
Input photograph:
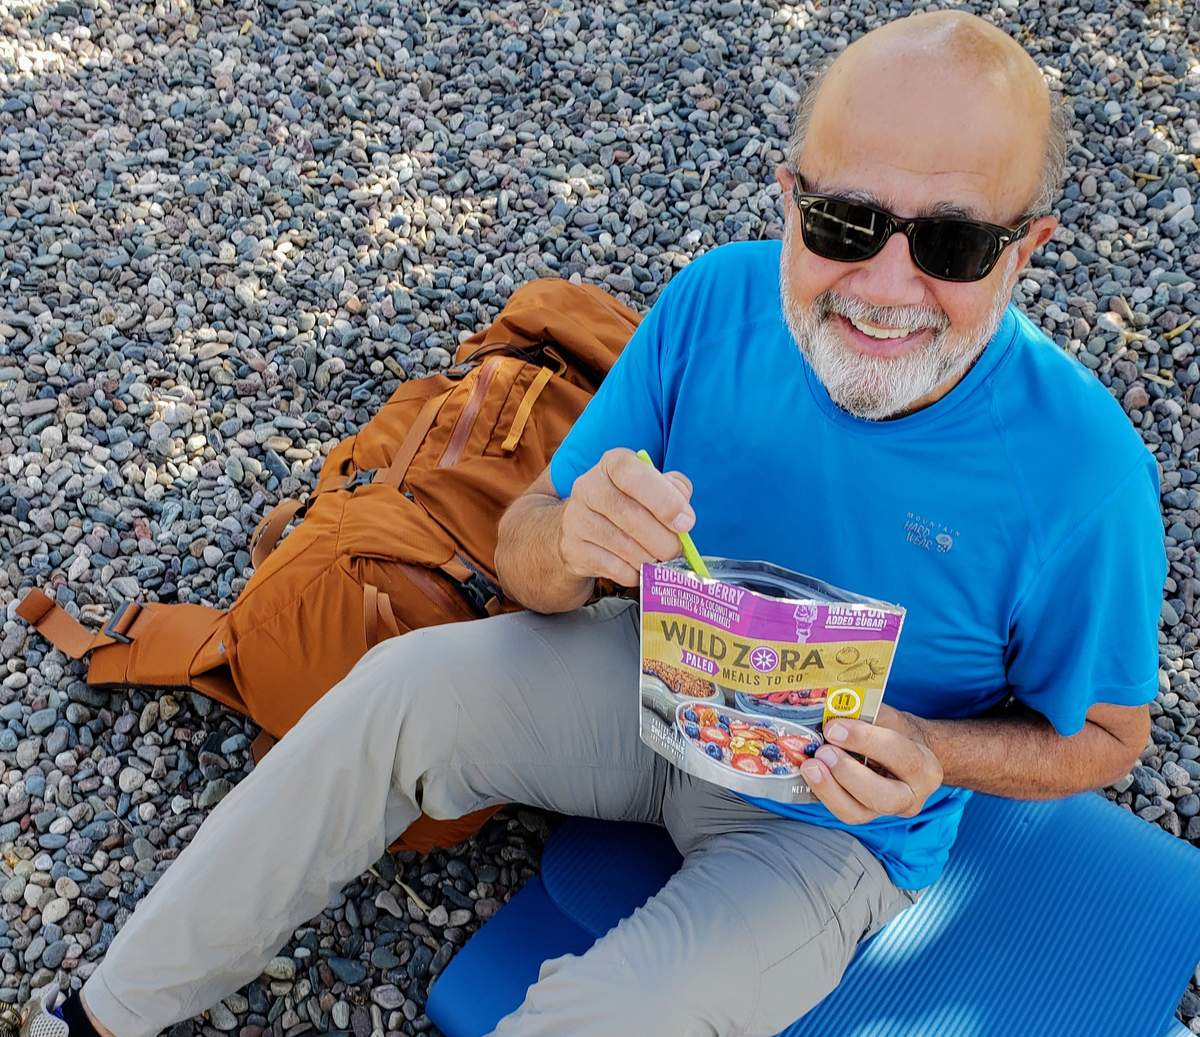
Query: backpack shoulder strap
(164, 646)
(66, 633)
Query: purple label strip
(743, 612)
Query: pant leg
(517, 708)
(754, 930)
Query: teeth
(877, 332)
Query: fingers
(895, 751)
(633, 520)
(591, 560)
(828, 790)
(682, 481)
(855, 793)
(598, 529)
(660, 496)
(621, 514)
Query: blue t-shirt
(1016, 519)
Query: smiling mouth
(881, 341)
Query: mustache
(906, 318)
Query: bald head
(938, 92)
(946, 36)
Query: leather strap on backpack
(261, 745)
(525, 408)
(457, 570)
(379, 622)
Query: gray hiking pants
(756, 927)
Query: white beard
(878, 387)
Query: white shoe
(36, 1017)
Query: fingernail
(836, 732)
(813, 775)
(682, 522)
(827, 756)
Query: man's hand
(853, 791)
(621, 514)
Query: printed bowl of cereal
(745, 752)
(664, 687)
(802, 706)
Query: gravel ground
(226, 231)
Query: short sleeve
(628, 408)
(1086, 629)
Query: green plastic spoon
(689, 549)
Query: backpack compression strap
(271, 526)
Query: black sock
(76, 1018)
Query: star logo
(764, 659)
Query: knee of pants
(610, 998)
(414, 686)
(656, 972)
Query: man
(856, 403)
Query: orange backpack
(399, 533)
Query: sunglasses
(947, 248)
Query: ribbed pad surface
(598, 872)
(1055, 919)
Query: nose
(890, 278)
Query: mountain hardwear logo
(928, 534)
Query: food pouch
(741, 671)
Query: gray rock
(41, 721)
(1175, 775)
(55, 911)
(130, 779)
(349, 972)
(222, 1018)
(281, 968)
(387, 997)
(54, 954)
(215, 791)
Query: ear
(785, 179)
(1040, 231)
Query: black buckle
(361, 477)
(110, 628)
(477, 588)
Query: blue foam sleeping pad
(1067, 917)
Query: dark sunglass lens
(954, 251)
(843, 231)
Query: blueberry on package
(741, 671)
